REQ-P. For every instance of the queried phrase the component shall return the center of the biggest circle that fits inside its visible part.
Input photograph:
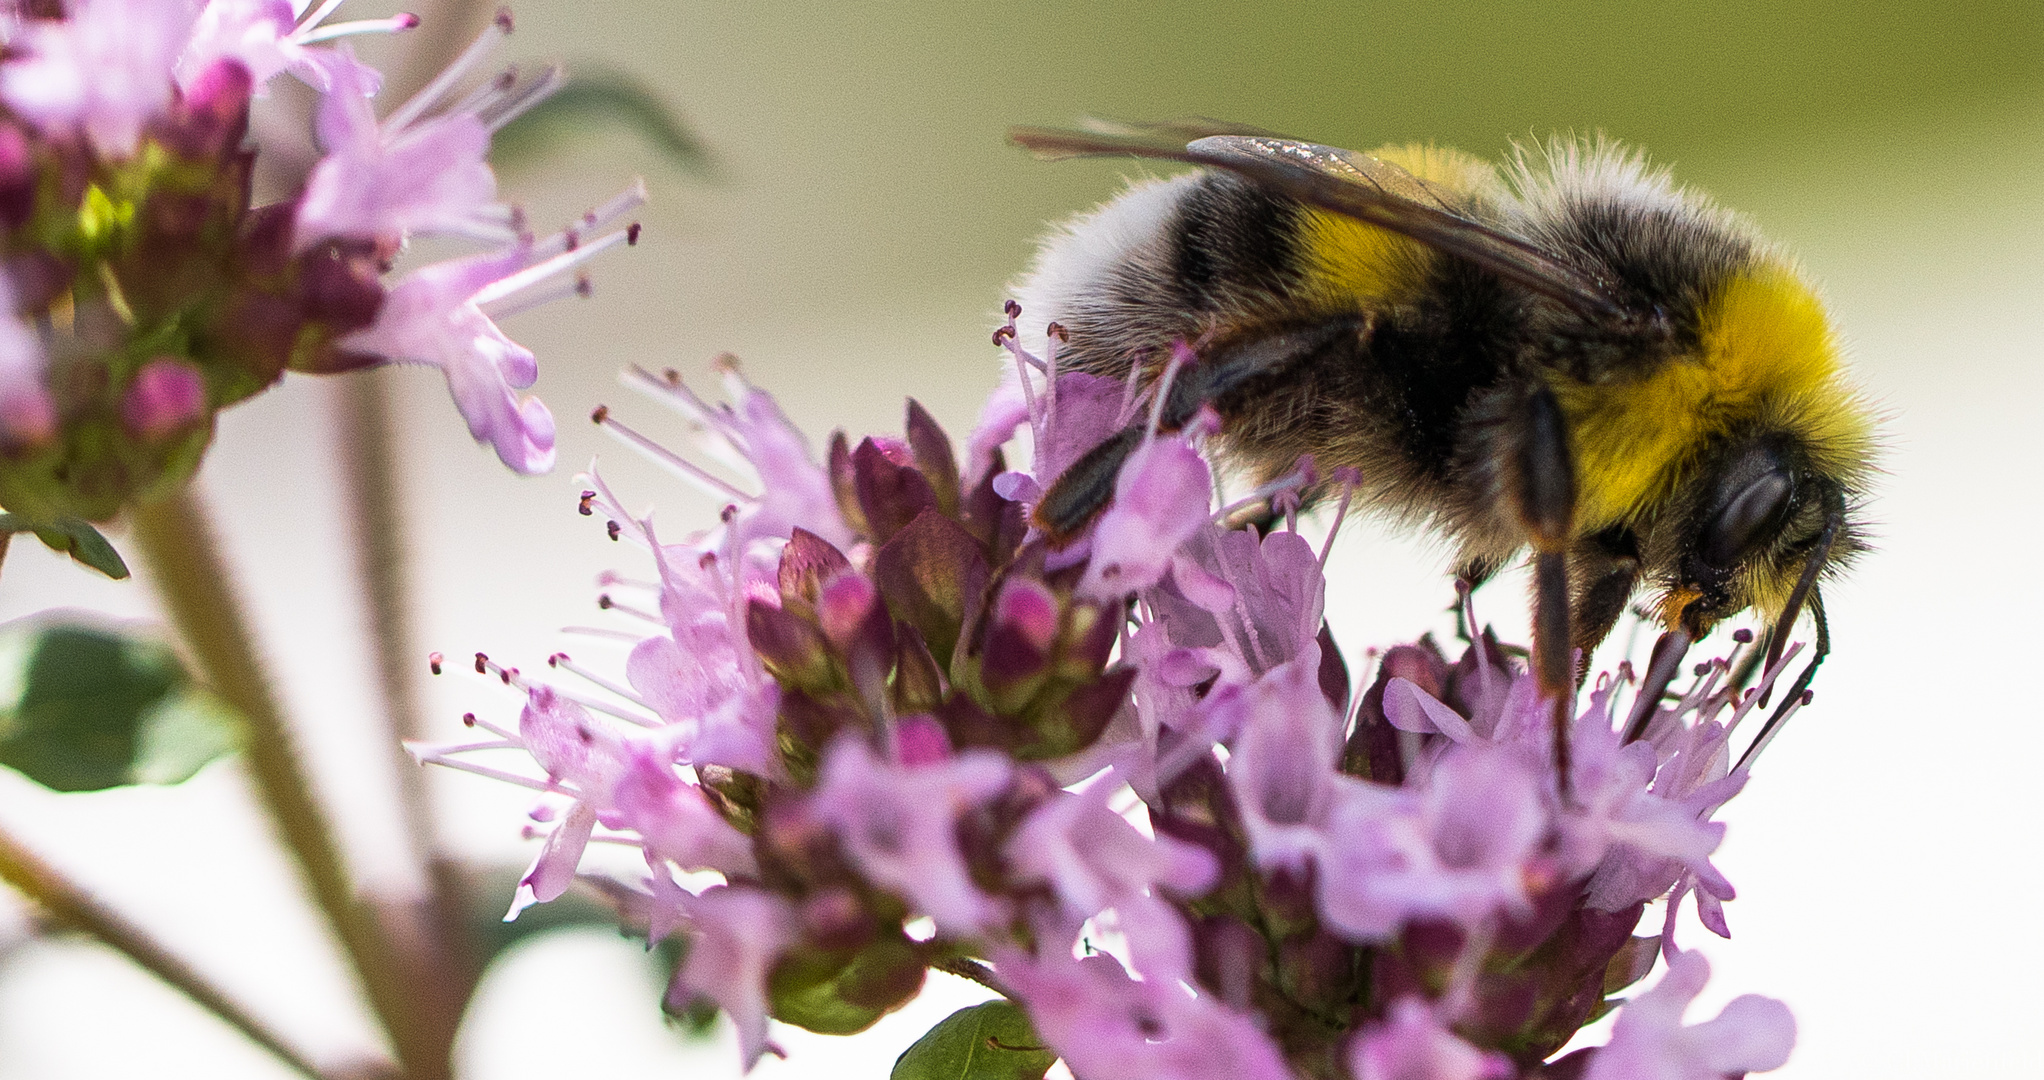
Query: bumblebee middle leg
(1544, 496)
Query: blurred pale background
(852, 249)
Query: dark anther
(482, 664)
(571, 238)
(600, 414)
(1057, 330)
(584, 287)
(433, 662)
(583, 506)
(672, 376)
(603, 601)
(1743, 636)
(1003, 333)
(468, 719)
(613, 528)
(1013, 309)
(632, 234)
(555, 659)
(504, 19)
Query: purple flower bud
(166, 396)
(212, 116)
(1413, 1044)
(17, 177)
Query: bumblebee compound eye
(1753, 515)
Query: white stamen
(532, 275)
(610, 603)
(495, 729)
(1348, 492)
(464, 748)
(603, 632)
(625, 692)
(624, 202)
(680, 466)
(324, 10)
(425, 99)
(460, 765)
(1767, 681)
(394, 24)
(520, 101)
(502, 309)
(1163, 391)
(488, 93)
(598, 705)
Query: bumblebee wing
(1101, 137)
(1382, 194)
(1348, 183)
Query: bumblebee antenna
(1797, 690)
(1777, 638)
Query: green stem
(178, 546)
(69, 905)
(968, 968)
(439, 957)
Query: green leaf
(75, 537)
(990, 1041)
(99, 709)
(834, 997)
(184, 732)
(1631, 963)
(597, 97)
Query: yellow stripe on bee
(1767, 355)
(1349, 264)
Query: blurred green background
(851, 244)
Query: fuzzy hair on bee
(1569, 355)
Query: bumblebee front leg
(1606, 567)
(1544, 494)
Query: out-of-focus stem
(442, 965)
(177, 544)
(64, 903)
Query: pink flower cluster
(1123, 778)
(140, 291)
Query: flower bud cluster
(141, 291)
(1121, 777)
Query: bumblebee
(1569, 355)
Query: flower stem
(441, 968)
(69, 905)
(967, 968)
(177, 544)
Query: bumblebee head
(1775, 445)
(1757, 528)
